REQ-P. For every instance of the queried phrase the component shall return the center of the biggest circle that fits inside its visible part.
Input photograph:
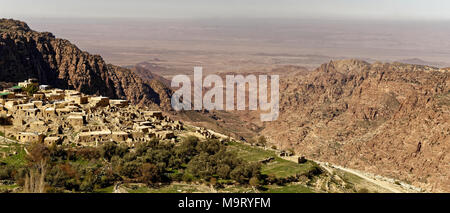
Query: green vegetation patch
(153, 164)
(172, 188)
(291, 188)
(284, 168)
(279, 167)
(15, 160)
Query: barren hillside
(389, 119)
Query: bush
(130, 169)
(88, 153)
(30, 89)
(6, 172)
(254, 182)
(149, 174)
(150, 163)
(109, 149)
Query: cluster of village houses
(55, 116)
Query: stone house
(44, 87)
(118, 103)
(30, 81)
(165, 135)
(77, 98)
(10, 105)
(7, 95)
(154, 115)
(54, 96)
(99, 101)
(76, 121)
(26, 137)
(95, 136)
(39, 96)
(53, 140)
(119, 136)
(49, 112)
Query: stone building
(39, 96)
(99, 101)
(95, 136)
(53, 140)
(30, 81)
(119, 136)
(118, 103)
(28, 137)
(76, 121)
(7, 95)
(77, 98)
(165, 135)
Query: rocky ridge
(390, 119)
(25, 53)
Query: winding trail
(389, 185)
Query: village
(56, 116)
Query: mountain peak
(346, 65)
(13, 25)
(29, 54)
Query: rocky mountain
(147, 70)
(423, 62)
(25, 53)
(391, 119)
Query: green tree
(31, 89)
(149, 174)
(254, 182)
(262, 141)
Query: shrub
(149, 173)
(31, 89)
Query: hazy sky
(373, 9)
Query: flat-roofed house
(118, 103)
(39, 96)
(119, 136)
(77, 98)
(15, 89)
(27, 137)
(55, 95)
(144, 129)
(154, 114)
(165, 135)
(60, 104)
(95, 136)
(7, 95)
(10, 105)
(37, 103)
(63, 111)
(30, 112)
(25, 106)
(76, 120)
(52, 140)
(30, 81)
(49, 112)
(99, 101)
(44, 87)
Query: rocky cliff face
(25, 53)
(388, 119)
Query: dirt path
(389, 185)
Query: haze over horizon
(414, 31)
(323, 9)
